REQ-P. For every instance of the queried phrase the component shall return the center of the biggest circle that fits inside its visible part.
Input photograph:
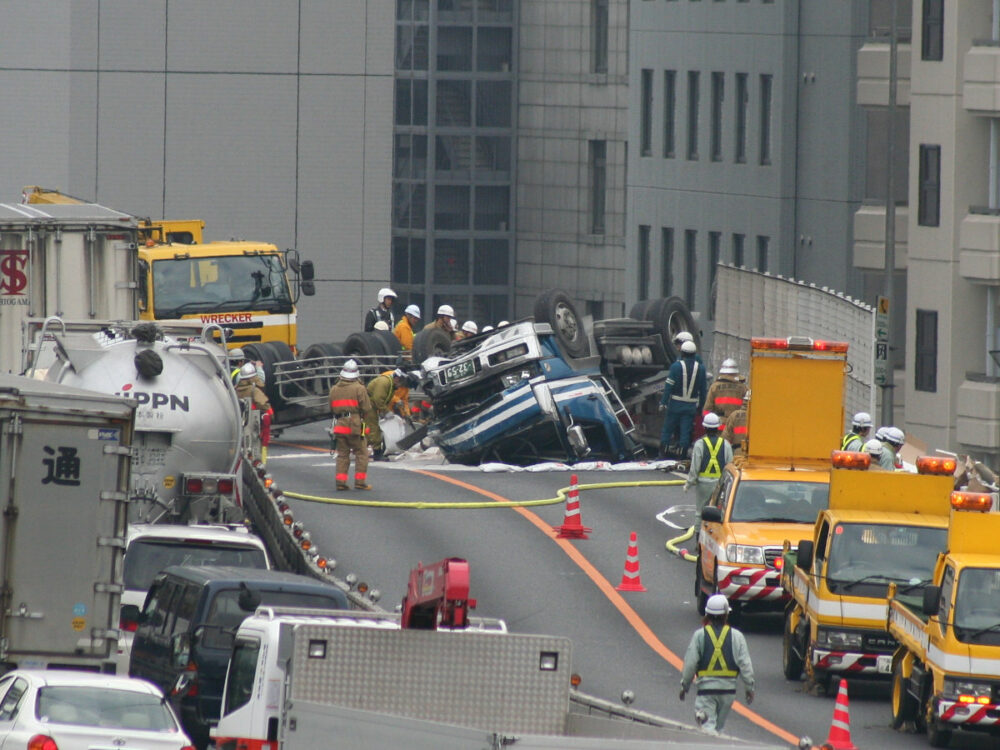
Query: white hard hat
(746, 396)
(381, 325)
(503, 323)
(880, 433)
(683, 336)
(688, 347)
(385, 292)
(711, 421)
(728, 367)
(237, 353)
(398, 373)
(862, 420)
(412, 310)
(873, 448)
(717, 604)
(487, 328)
(350, 370)
(446, 310)
(248, 371)
(895, 436)
(470, 326)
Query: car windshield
(977, 606)
(236, 282)
(866, 557)
(779, 501)
(147, 558)
(99, 706)
(225, 614)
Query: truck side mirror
(248, 599)
(711, 514)
(932, 600)
(308, 288)
(307, 270)
(804, 554)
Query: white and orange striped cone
(572, 526)
(630, 578)
(840, 727)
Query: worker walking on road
(382, 311)
(725, 395)
(381, 389)
(717, 655)
(735, 432)
(855, 440)
(350, 405)
(708, 456)
(683, 396)
(404, 328)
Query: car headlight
(745, 554)
(838, 638)
(955, 688)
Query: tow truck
(946, 671)
(881, 528)
(780, 484)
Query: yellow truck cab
(881, 528)
(946, 671)
(775, 490)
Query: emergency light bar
(797, 343)
(939, 465)
(981, 501)
(850, 460)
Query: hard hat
(412, 310)
(688, 347)
(350, 370)
(880, 433)
(381, 325)
(446, 310)
(503, 323)
(683, 336)
(862, 420)
(873, 448)
(385, 292)
(398, 373)
(711, 421)
(248, 371)
(487, 329)
(470, 326)
(237, 353)
(894, 436)
(746, 397)
(728, 367)
(717, 604)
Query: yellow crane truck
(946, 670)
(881, 528)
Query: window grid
(742, 103)
(646, 113)
(666, 261)
(718, 95)
(929, 198)
(925, 364)
(692, 114)
(765, 118)
(669, 107)
(643, 270)
(932, 30)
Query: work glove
(663, 407)
(683, 693)
(687, 487)
(749, 697)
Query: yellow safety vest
(714, 664)
(849, 438)
(711, 469)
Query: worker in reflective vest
(855, 440)
(350, 405)
(718, 656)
(736, 427)
(683, 397)
(708, 456)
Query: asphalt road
(538, 584)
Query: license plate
(459, 371)
(883, 664)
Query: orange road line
(299, 445)
(616, 599)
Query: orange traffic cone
(572, 527)
(630, 578)
(840, 727)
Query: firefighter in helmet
(736, 426)
(247, 388)
(725, 395)
(350, 405)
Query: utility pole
(890, 223)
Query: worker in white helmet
(717, 656)
(247, 388)
(893, 440)
(874, 449)
(855, 440)
(683, 397)
(444, 319)
(382, 311)
(350, 405)
(404, 328)
(708, 456)
(725, 395)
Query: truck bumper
(851, 663)
(969, 716)
(751, 584)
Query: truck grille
(771, 554)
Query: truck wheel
(791, 662)
(700, 597)
(904, 705)
(326, 372)
(670, 316)
(556, 308)
(937, 735)
(638, 311)
(818, 682)
(390, 347)
(431, 342)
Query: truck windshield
(236, 282)
(145, 559)
(865, 557)
(779, 502)
(977, 606)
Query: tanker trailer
(188, 428)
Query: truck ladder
(621, 413)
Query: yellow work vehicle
(881, 528)
(946, 671)
(240, 285)
(775, 490)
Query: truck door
(714, 532)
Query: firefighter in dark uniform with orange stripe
(350, 405)
(736, 427)
(725, 395)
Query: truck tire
(904, 705)
(431, 342)
(556, 308)
(937, 735)
(362, 345)
(638, 311)
(791, 662)
(326, 373)
(700, 597)
(670, 316)
(390, 347)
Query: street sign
(882, 341)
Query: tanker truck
(188, 423)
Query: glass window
(146, 558)
(692, 114)
(714, 256)
(598, 185)
(742, 99)
(492, 208)
(451, 207)
(599, 40)
(182, 609)
(491, 263)
(454, 103)
(225, 614)
(454, 48)
(411, 102)
(669, 107)
(944, 604)
(399, 270)
(453, 153)
(411, 47)
(490, 309)
(932, 23)
(451, 261)
(690, 266)
(231, 282)
(643, 266)
(410, 156)
(762, 247)
(11, 702)
(646, 113)
(493, 53)
(780, 501)
(739, 240)
(409, 205)
(718, 94)
(765, 119)
(242, 673)
(103, 707)
(877, 155)
(977, 606)
(493, 153)
(666, 261)
(925, 366)
(929, 195)
(493, 104)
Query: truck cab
(881, 528)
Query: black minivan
(188, 623)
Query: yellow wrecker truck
(881, 528)
(946, 669)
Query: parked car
(188, 623)
(152, 547)
(75, 710)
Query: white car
(70, 710)
(152, 547)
